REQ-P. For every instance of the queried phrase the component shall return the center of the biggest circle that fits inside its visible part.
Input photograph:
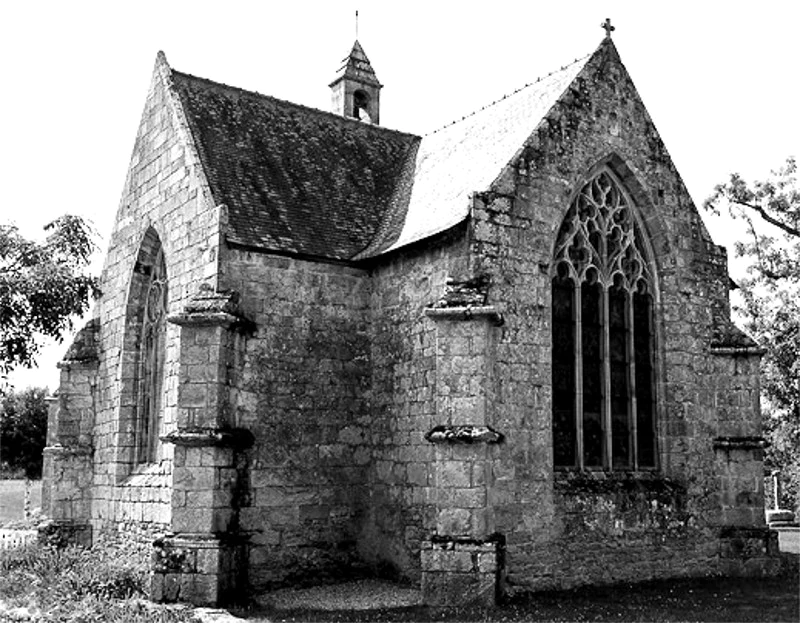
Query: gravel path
(358, 595)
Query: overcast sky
(720, 80)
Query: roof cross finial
(356, 24)
(608, 28)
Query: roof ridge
(505, 97)
(278, 100)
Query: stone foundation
(749, 551)
(460, 572)
(63, 533)
(197, 569)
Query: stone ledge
(487, 312)
(212, 319)
(59, 450)
(737, 351)
(739, 443)
(78, 364)
(210, 308)
(465, 434)
(205, 437)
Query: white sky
(720, 80)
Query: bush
(23, 432)
(78, 584)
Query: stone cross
(608, 28)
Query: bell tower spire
(355, 93)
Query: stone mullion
(633, 437)
(606, 358)
(578, 324)
(651, 340)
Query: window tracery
(151, 360)
(602, 355)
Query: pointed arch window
(150, 373)
(602, 335)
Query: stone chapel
(492, 359)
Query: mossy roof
(305, 182)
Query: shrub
(77, 584)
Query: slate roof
(468, 155)
(357, 67)
(307, 182)
(294, 179)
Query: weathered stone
(309, 351)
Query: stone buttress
(462, 561)
(68, 456)
(200, 559)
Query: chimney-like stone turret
(356, 92)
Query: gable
(294, 179)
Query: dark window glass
(620, 389)
(151, 366)
(564, 451)
(642, 341)
(602, 331)
(591, 339)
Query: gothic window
(602, 331)
(150, 373)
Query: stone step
(779, 514)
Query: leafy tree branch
(43, 286)
(770, 301)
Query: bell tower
(355, 93)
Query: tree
(43, 286)
(23, 431)
(770, 303)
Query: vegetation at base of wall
(44, 583)
(770, 305)
(23, 432)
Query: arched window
(151, 275)
(361, 105)
(602, 335)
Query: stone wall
(402, 482)
(562, 531)
(164, 193)
(400, 411)
(738, 444)
(304, 394)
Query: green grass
(79, 585)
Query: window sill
(147, 475)
(604, 482)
